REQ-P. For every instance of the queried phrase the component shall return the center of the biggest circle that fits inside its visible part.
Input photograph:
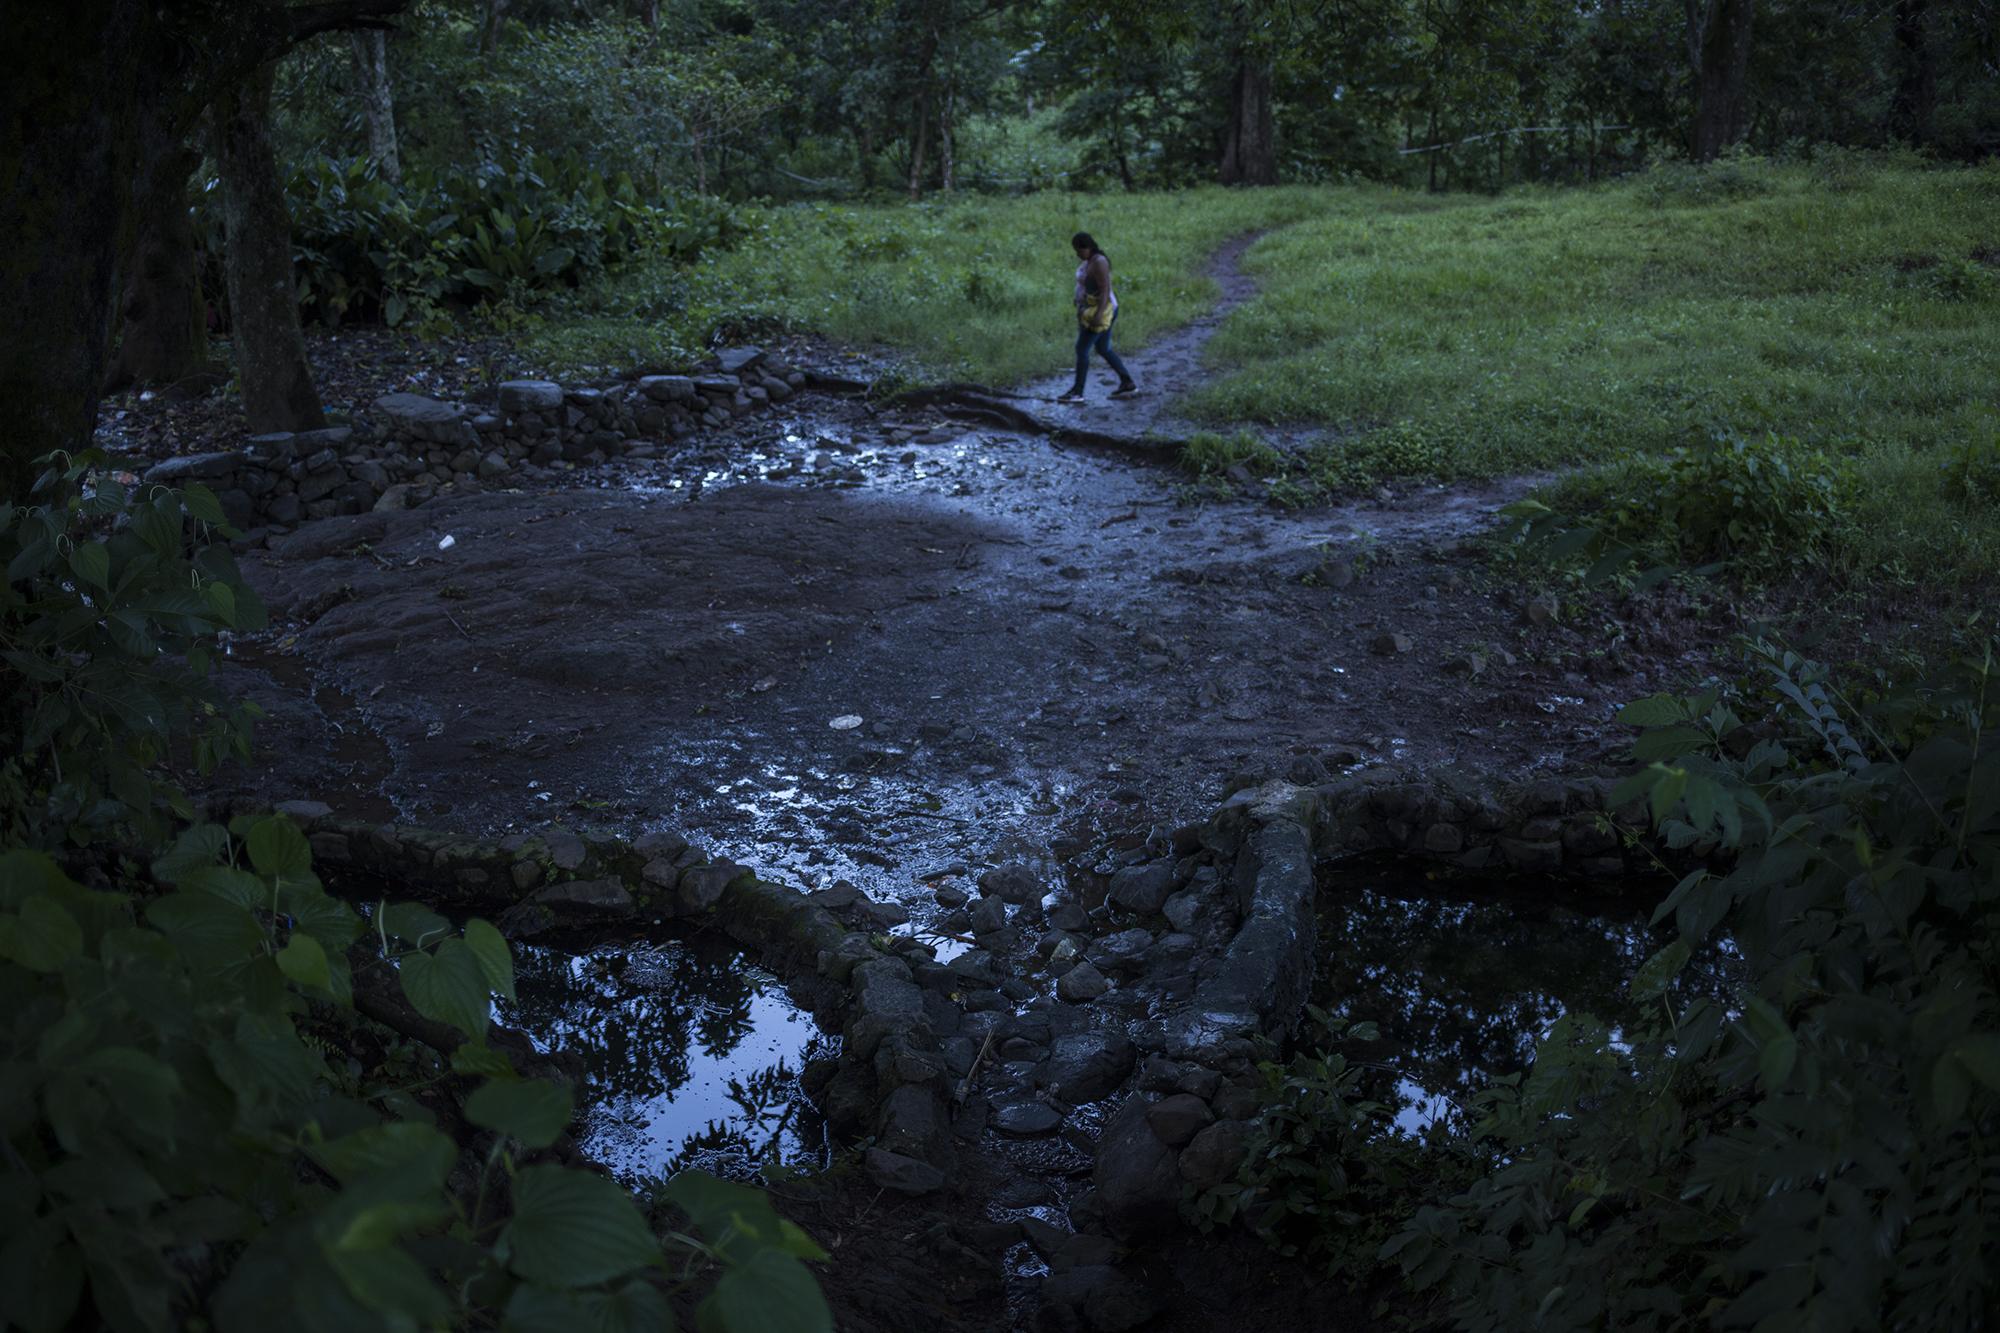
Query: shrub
(1817, 1151)
(1750, 504)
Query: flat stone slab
(517, 396)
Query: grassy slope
(1463, 336)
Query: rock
(192, 467)
(910, 1124)
(701, 887)
(1540, 610)
(1105, 1299)
(734, 360)
(518, 396)
(424, 418)
(1026, 1119)
(1175, 1120)
(1466, 664)
(1183, 909)
(1081, 984)
(988, 914)
(1013, 883)
(1069, 917)
(1120, 952)
(1444, 839)
(949, 896)
(303, 812)
(1083, 1250)
(661, 873)
(591, 895)
(1388, 645)
(1138, 1185)
(396, 496)
(1215, 1154)
(1143, 889)
(903, 1175)
(1085, 1066)
(1532, 857)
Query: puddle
(693, 1054)
(1461, 987)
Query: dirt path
(1166, 368)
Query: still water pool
(693, 1054)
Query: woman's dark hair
(1082, 241)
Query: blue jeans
(1085, 340)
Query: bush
(370, 250)
(1818, 1151)
(201, 1127)
(1738, 174)
(1752, 505)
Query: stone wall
(407, 447)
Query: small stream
(693, 1054)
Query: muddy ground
(844, 640)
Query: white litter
(446, 542)
(846, 722)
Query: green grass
(975, 288)
(1853, 305)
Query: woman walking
(1096, 313)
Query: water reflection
(1463, 987)
(693, 1055)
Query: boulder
(192, 467)
(518, 396)
(1143, 889)
(1138, 1184)
(589, 895)
(1215, 1153)
(1080, 984)
(1177, 1119)
(1012, 882)
(734, 360)
(900, 1174)
(1084, 1066)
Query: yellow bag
(1095, 314)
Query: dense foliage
(228, 1095)
(1815, 1150)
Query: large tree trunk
(1248, 155)
(163, 324)
(945, 154)
(87, 86)
(72, 116)
(1719, 48)
(1916, 75)
(378, 103)
(278, 392)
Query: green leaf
(1776, 1059)
(201, 502)
(1950, 1089)
(91, 563)
(387, 1280)
(532, 1110)
(277, 848)
(449, 986)
(496, 961)
(572, 1229)
(1980, 1054)
(198, 847)
(42, 938)
(635, 1307)
(209, 932)
(413, 924)
(1657, 973)
(416, 1153)
(304, 962)
(480, 1060)
(773, 1291)
(1660, 710)
(1667, 792)
(227, 883)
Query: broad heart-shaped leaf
(573, 1229)
(414, 1153)
(449, 986)
(318, 913)
(304, 961)
(196, 847)
(736, 1219)
(772, 1293)
(210, 933)
(277, 848)
(91, 563)
(387, 1280)
(532, 1110)
(412, 924)
(496, 961)
(635, 1307)
(42, 938)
